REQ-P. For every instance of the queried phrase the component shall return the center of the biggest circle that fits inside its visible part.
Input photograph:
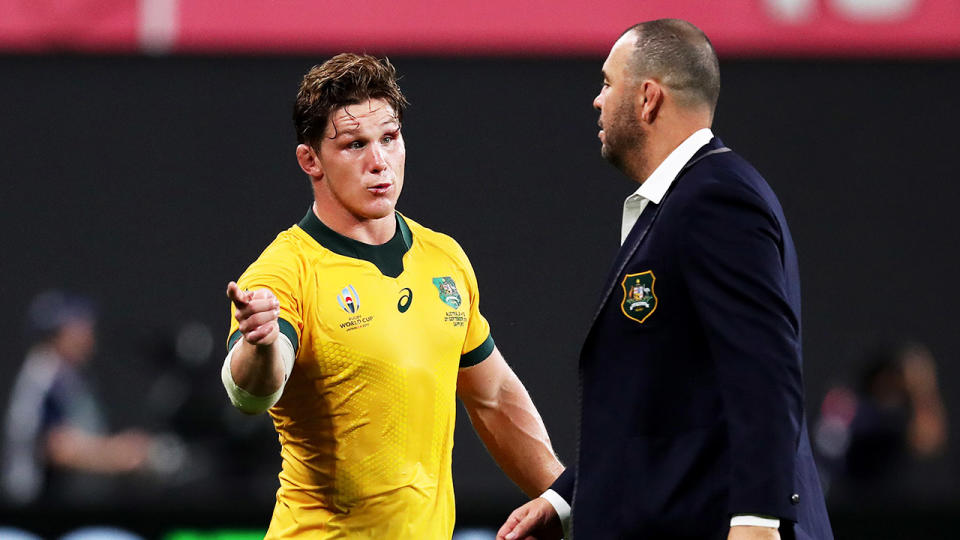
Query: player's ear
(309, 161)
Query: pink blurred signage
(891, 28)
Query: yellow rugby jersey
(367, 416)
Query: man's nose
(377, 161)
(598, 101)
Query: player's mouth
(380, 189)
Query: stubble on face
(623, 136)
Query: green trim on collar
(404, 232)
(285, 329)
(388, 257)
(479, 354)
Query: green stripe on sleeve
(288, 330)
(285, 328)
(234, 337)
(479, 354)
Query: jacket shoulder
(725, 176)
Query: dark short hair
(345, 79)
(681, 57)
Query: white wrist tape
(245, 401)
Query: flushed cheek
(398, 161)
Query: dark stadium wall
(148, 183)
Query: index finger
(509, 525)
(238, 296)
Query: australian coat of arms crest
(639, 300)
(448, 291)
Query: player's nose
(376, 159)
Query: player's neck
(369, 231)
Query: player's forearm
(514, 434)
(258, 369)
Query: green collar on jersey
(388, 257)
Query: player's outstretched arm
(255, 363)
(508, 423)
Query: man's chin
(379, 211)
(611, 156)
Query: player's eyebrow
(354, 128)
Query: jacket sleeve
(563, 485)
(733, 263)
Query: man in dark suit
(692, 421)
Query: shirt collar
(657, 184)
(388, 257)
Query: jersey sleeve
(478, 343)
(276, 270)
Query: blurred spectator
(100, 533)
(882, 441)
(56, 444)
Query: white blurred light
(158, 25)
(862, 11)
(792, 11)
(874, 10)
(167, 454)
(194, 343)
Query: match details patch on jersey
(639, 299)
(349, 300)
(448, 291)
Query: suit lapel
(629, 247)
(640, 229)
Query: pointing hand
(257, 312)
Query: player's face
(362, 156)
(620, 132)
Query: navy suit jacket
(691, 385)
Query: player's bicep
(481, 383)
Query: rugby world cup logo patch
(349, 300)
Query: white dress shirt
(657, 184)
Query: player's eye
(387, 139)
(356, 145)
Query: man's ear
(649, 100)
(309, 161)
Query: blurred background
(147, 157)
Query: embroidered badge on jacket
(639, 299)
